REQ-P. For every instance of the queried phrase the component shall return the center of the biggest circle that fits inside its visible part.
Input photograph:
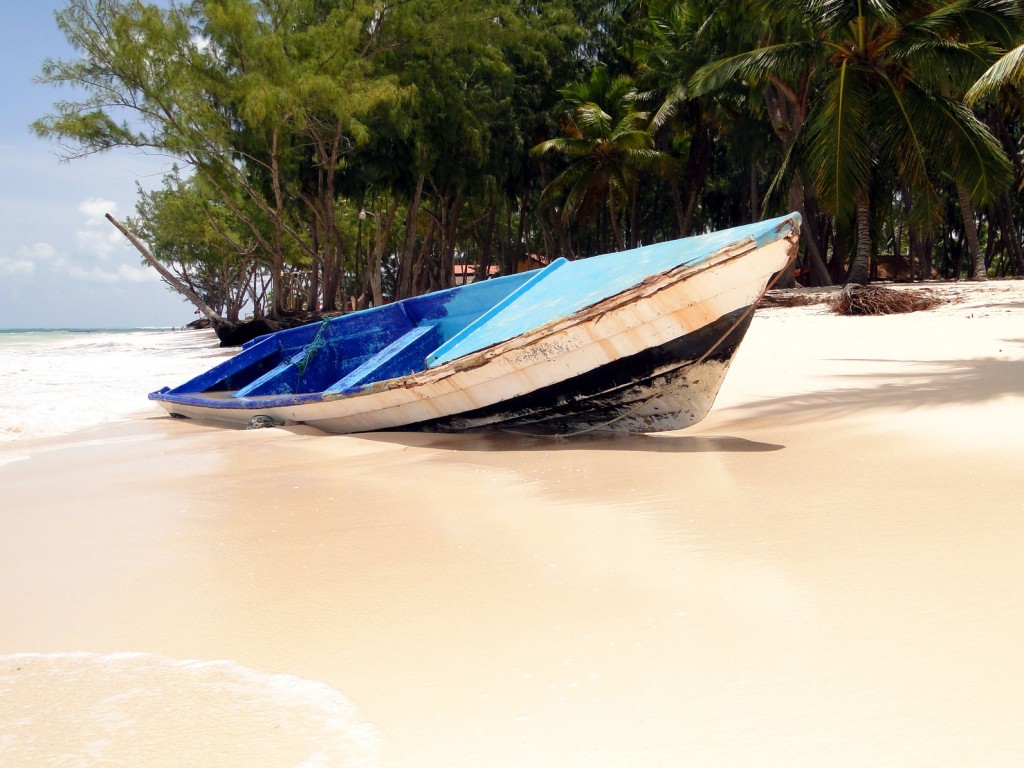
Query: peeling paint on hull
(669, 387)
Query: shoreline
(825, 570)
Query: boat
(633, 341)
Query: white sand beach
(826, 571)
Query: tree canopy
(336, 153)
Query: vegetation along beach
(826, 570)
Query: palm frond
(582, 194)
(569, 147)
(837, 14)
(565, 180)
(942, 62)
(904, 135)
(995, 20)
(669, 108)
(840, 140)
(593, 121)
(972, 155)
(785, 60)
(1008, 70)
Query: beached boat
(635, 341)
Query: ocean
(57, 381)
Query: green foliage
(484, 130)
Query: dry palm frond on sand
(879, 300)
(857, 300)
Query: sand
(826, 571)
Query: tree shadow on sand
(934, 384)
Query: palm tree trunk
(620, 244)
(978, 271)
(634, 219)
(860, 270)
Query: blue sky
(61, 263)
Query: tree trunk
(1009, 231)
(486, 244)
(860, 270)
(379, 246)
(565, 248)
(620, 244)
(406, 268)
(450, 208)
(634, 219)
(696, 173)
(978, 271)
(927, 241)
(167, 275)
(755, 193)
(798, 202)
(673, 185)
(277, 268)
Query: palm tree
(879, 115)
(700, 102)
(607, 145)
(673, 51)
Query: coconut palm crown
(886, 113)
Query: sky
(62, 264)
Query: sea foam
(136, 709)
(57, 382)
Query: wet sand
(826, 571)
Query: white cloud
(94, 274)
(39, 252)
(98, 243)
(96, 208)
(27, 257)
(137, 274)
(98, 239)
(123, 274)
(13, 266)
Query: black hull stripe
(605, 393)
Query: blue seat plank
(401, 357)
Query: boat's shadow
(503, 442)
(497, 441)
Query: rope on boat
(318, 343)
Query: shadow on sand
(934, 384)
(495, 441)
